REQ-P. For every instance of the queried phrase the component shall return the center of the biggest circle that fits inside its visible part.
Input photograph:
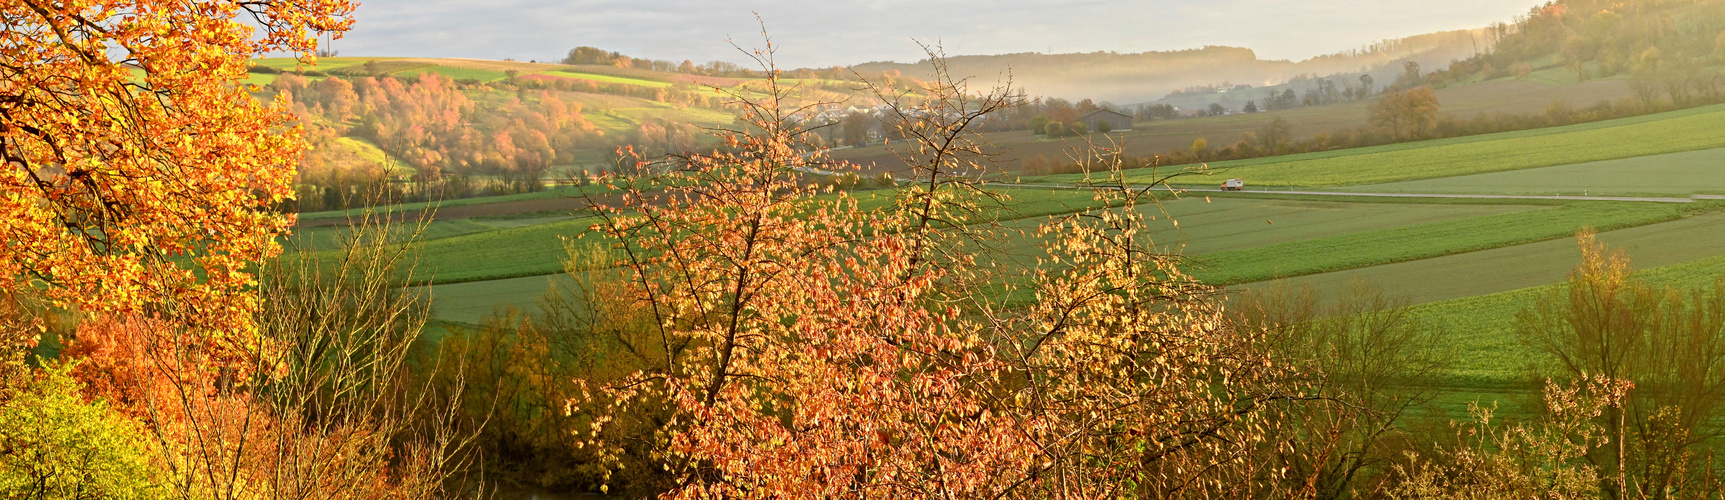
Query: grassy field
(622, 120)
(1526, 265)
(367, 152)
(536, 251)
(323, 63)
(1297, 257)
(471, 302)
(1482, 328)
(460, 73)
(331, 237)
(1220, 224)
(1234, 239)
(608, 78)
(1693, 172)
(1664, 133)
(500, 253)
(1216, 224)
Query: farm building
(1116, 121)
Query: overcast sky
(841, 32)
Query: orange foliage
(131, 153)
(822, 351)
(431, 124)
(218, 437)
(137, 189)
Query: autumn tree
(1406, 114)
(590, 55)
(805, 348)
(139, 191)
(138, 172)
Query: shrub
(58, 446)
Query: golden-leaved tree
(1409, 114)
(135, 200)
(138, 170)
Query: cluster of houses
(829, 122)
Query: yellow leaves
(180, 158)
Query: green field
(1422, 241)
(1482, 328)
(465, 250)
(1673, 132)
(470, 303)
(1693, 172)
(367, 151)
(323, 63)
(608, 78)
(331, 237)
(1219, 224)
(1532, 264)
(1232, 239)
(460, 73)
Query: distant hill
(1149, 76)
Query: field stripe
(1528, 265)
(1671, 132)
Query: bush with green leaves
(54, 445)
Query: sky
(824, 33)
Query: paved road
(1406, 195)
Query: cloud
(826, 33)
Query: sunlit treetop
(138, 171)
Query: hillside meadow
(1662, 133)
